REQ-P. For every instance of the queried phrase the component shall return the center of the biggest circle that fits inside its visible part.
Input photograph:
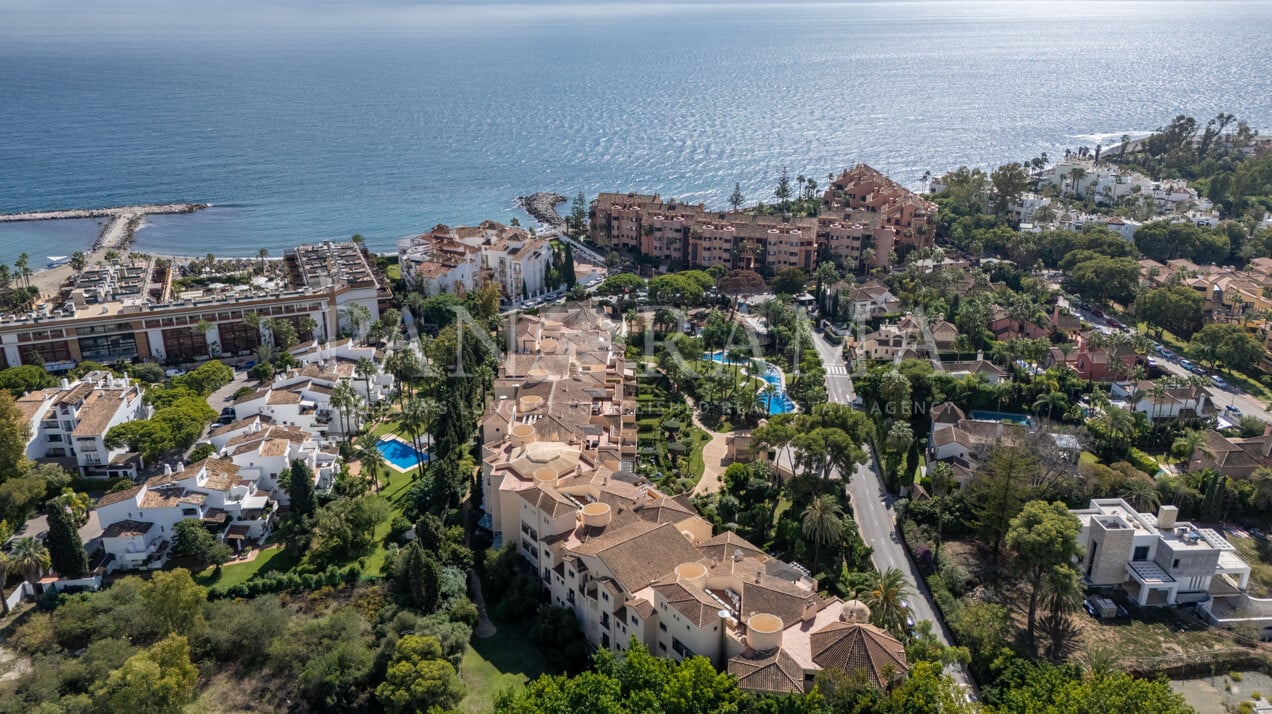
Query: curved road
(872, 509)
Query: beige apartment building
(131, 311)
(630, 560)
(862, 210)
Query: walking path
(485, 628)
(714, 454)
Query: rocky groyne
(542, 207)
(117, 211)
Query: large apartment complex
(559, 442)
(452, 259)
(132, 311)
(864, 216)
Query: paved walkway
(714, 455)
(485, 628)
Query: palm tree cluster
(27, 556)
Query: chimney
(1166, 517)
(167, 469)
(65, 383)
(180, 467)
(980, 355)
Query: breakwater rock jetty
(122, 227)
(146, 210)
(542, 207)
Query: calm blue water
(404, 456)
(389, 120)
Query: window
(605, 641)
(635, 620)
(605, 596)
(1141, 553)
(1176, 565)
(662, 626)
(662, 647)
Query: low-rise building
(71, 422)
(137, 523)
(452, 259)
(1164, 401)
(1156, 558)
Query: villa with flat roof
(1157, 559)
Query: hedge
(289, 582)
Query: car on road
(1165, 352)
(1233, 410)
(1115, 323)
(173, 372)
(1218, 381)
(1188, 365)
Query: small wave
(1112, 136)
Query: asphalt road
(873, 512)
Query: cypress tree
(300, 489)
(419, 577)
(568, 269)
(66, 550)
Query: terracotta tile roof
(641, 553)
(117, 496)
(154, 499)
(643, 608)
(283, 397)
(100, 407)
(726, 545)
(235, 426)
(856, 647)
(127, 529)
(254, 396)
(775, 672)
(696, 606)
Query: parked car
(1218, 381)
(1187, 365)
(1233, 410)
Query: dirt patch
(12, 665)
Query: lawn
(493, 664)
(395, 488)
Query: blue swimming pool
(781, 403)
(400, 454)
(1021, 419)
(719, 356)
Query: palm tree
(823, 523)
(1142, 494)
(1050, 401)
(883, 595)
(1062, 593)
(29, 557)
(373, 462)
(22, 268)
(262, 254)
(1117, 421)
(112, 257)
(770, 391)
(1188, 444)
(366, 368)
(417, 415)
(78, 261)
(345, 401)
(359, 316)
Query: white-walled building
(1156, 558)
(447, 259)
(262, 451)
(71, 421)
(137, 524)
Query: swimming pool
(1021, 419)
(781, 402)
(719, 356)
(401, 454)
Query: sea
(302, 122)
